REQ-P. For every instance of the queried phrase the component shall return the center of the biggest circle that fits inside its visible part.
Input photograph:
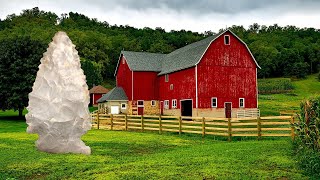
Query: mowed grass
(135, 155)
(272, 104)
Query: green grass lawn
(274, 103)
(134, 155)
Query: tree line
(280, 51)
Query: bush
(307, 143)
(274, 86)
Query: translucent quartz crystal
(58, 104)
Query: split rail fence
(273, 126)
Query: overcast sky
(194, 15)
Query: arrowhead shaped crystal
(58, 104)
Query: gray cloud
(200, 7)
(195, 15)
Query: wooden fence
(230, 127)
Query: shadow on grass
(12, 118)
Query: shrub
(307, 143)
(274, 86)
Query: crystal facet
(58, 104)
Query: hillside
(303, 89)
(280, 51)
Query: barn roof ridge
(179, 59)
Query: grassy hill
(272, 104)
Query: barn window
(227, 40)
(174, 103)
(140, 103)
(166, 77)
(153, 103)
(214, 102)
(171, 86)
(123, 106)
(241, 102)
(123, 61)
(166, 104)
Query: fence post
(111, 123)
(142, 128)
(203, 127)
(292, 127)
(259, 127)
(179, 124)
(229, 130)
(160, 125)
(98, 120)
(126, 122)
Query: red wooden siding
(124, 77)
(95, 97)
(227, 72)
(183, 86)
(145, 86)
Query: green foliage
(307, 143)
(19, 61)
(134, 155)
(274, 86)
(309, 124)
(280, 51)
(92, 70)
(319, 77)
(272, 104)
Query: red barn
(216, 76)
(96, 93)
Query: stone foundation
(208, 112)
(147, 110)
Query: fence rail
(273, 126)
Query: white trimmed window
(140, 103)
(226, 39)
(174, 103)
(241, 102)
(153, 103)
(166, 104)
(166, 77)
(123, 106)
(171, 86)
(214, 102)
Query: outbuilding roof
(185, 57)
(98, 90)
(116, 94)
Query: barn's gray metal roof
(179, 59)
(143, 61)
(116, 94)
(186, 56)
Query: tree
(92, 71)
(19, 61)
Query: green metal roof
(116, 94)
